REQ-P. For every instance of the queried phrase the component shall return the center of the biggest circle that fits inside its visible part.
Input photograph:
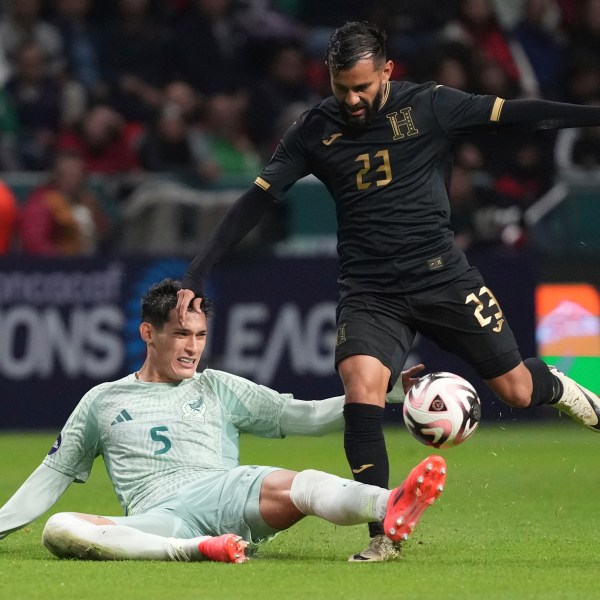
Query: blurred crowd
(203, 89)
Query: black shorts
(462, 317)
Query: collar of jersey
(386, 95)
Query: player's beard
(367, 118)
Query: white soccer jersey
(156, 437)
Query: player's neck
(149, 374)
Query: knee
(518, 397)
(55, 534)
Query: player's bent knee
(56, 533)
(514, 388)
(518, 399)
(65, 535)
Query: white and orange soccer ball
(442, 410)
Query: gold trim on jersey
(262, 184)
(386, 94)
(497, 109)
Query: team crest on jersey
(56, 445)
(402, 123)
(194, 410)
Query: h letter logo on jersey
(403, 123)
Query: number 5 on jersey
(157, 435)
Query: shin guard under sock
(364, 444)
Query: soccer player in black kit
(383, 150)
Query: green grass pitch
(518, 520)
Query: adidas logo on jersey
(122, 416)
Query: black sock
(547, 388)
(365, 448)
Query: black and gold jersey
(389, 182)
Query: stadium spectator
(211, 31)
(21, 23)
(463, 202)
(170, 145)
(63, 217)
(521, 174)
(477, 28)
(448, 63)
(281, 94)
(543, 45)
(138, 60)
(228, 142)
(413, 27)
(39, 101)
(81, 44)
(171, 438)
(583, 55)
(8, 218)
(577, 150)
(9, 132)
(190, 102)
(102, 140)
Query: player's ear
(387, 71)
(146, 332)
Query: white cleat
(576, 401)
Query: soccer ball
(442, 410)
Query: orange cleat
(409, 500)
(227, 548)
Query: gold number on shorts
(480, 306)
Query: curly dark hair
(161, 298)
(354, 41)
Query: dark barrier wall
(67, 325)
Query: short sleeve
(459, 112)
(77, 445)
(288, 164)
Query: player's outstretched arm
(312, 417)
(39, 493)
(318, 417)
(545, 114)
(243, 216)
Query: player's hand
(404, 383)
(185, 299)
(410, 377)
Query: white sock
(68, 536)
(340, 501)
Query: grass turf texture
(517, 521)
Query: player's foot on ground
(408, 501)
(380, 549)
(227, 548)
(580, 404)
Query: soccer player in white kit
(169, 439)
